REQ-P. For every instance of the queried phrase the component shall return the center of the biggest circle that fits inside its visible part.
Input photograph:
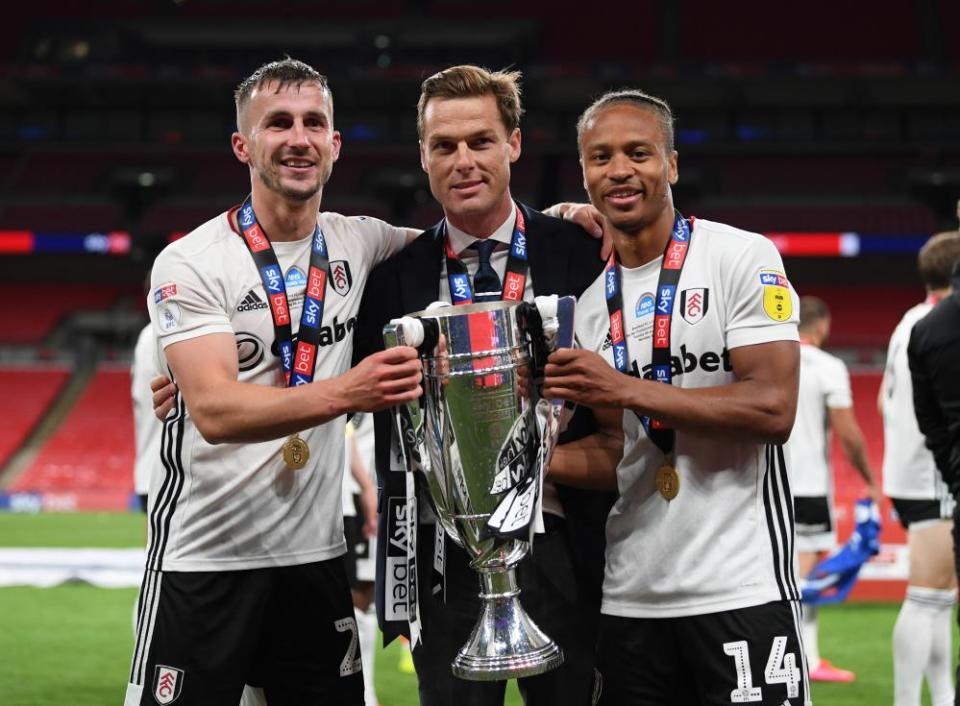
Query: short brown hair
(812, 310)
(467, 81)
(638, 99)
(937, 259)
(284, 72)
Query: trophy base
(505, 642)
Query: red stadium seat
(27, 394)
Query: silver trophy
(482, 436)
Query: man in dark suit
(468, 123)
(934, 357)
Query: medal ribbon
(298, 367)
(674, 257)
(515, 279)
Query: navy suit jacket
(563, 260)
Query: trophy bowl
(482, 438)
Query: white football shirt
(237, 506)
(909, 471)
(146, 427)
(726, 541)
(824, 384)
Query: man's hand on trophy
(583, 377)
(163, 392)
(382, 380)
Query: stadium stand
(27, 393)
(88, 462)
(32, 311)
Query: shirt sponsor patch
(164, 291)
(777, 303)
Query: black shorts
(910, 511)
(358, 559)
(202, 635)
(750, 655)
(813, 515)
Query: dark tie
(486, 283)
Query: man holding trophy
(700, 600)
(481, 435)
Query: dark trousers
(551, 593)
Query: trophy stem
(505, 642)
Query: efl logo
(306, 354)
(520, 246)
(164, 291)
(278, 302)
(661, 331)
(272, 277)
(616, 327)
(675, 255)
(461, 288)
(256, 239)
(167, 684)
(513, 287)
(316, 284)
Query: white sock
(921, 643)
(938, 672)
(367, 629)
(811, 643)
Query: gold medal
(296, 453)
(668, 481)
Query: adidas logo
(607, 342)
(251, 302)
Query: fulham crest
(340, 276)
(167, 684)
(694, 304)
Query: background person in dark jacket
(934, 356)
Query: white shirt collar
(461, 240)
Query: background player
(922, 634)
(700, 600)
(825, 402)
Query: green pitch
(71, 644)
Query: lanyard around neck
(515, 280)
(674, 257)
(298, 367)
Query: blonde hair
(466, 81)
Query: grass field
(71, 644)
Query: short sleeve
(183, 301)
(379, 239)
(837, 394)
(762, 305)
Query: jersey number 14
(781, 669)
